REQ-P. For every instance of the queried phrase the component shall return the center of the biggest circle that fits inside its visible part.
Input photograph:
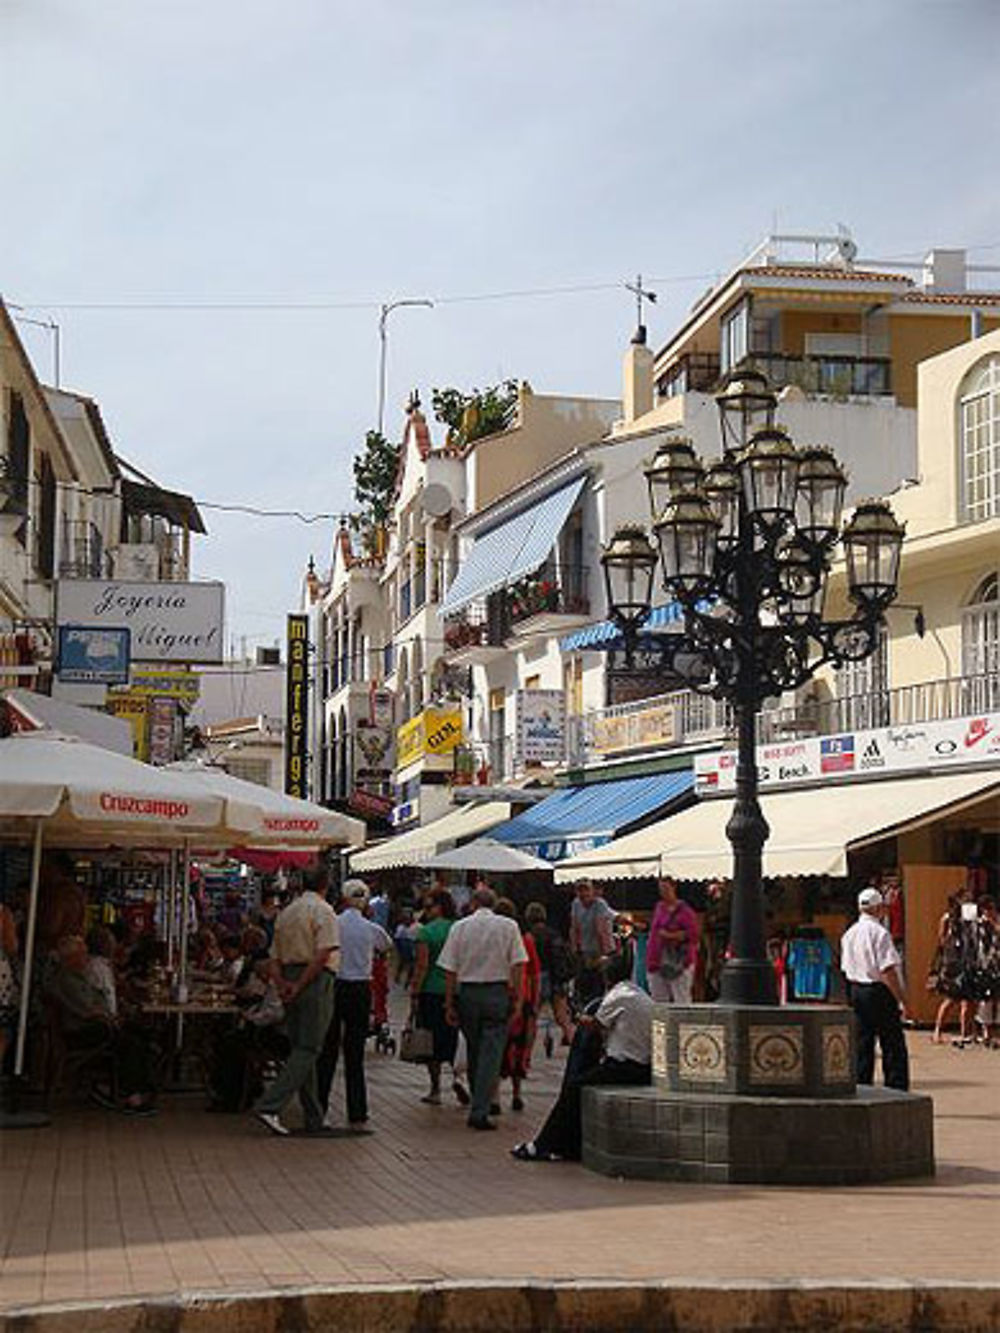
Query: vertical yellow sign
(297, 706)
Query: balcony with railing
(834, 375)
(478, 633)
(694, 372)
(684, 720)
(551, 601)
(82, 553)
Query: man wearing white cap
(360, 940)
(869, 961)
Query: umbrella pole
(172, 911)
(185, 911)
(29, 949)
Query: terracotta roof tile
(823, 272)
(953, 298)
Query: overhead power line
(255, 304)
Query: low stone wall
(558, 1307)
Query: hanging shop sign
(134, 709)
(169, 622)
(915, 747)
(93, 654)
(434, 732)
(639, 729)
(162, 725)
(370, 804)
(541, 726)
(296, 705)
(372, 752)
(184, 686)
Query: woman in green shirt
(427, 991)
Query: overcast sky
(199, 151)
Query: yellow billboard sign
(435, 731)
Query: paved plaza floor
(98, 1206)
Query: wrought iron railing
(838, 376)
(555, 592)
(83, 554)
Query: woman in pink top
(673, 947)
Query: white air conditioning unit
(139, 561)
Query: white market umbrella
(260, 817)
(490, 857)
(66, 792)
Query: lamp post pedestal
(756, 1094)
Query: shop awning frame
(417, 846)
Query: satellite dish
(437, 500)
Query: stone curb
(541, 1307)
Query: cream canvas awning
(812, 830)
(417, 846)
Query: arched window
(981, 646)
(979, 427)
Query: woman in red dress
(524, 1020)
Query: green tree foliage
(470, 416)
(375, 478)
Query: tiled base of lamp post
(756, 1096)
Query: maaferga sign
(907, 748)
(169, 622)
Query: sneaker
(271, 1121)
(100, 1097)
(461, 1092)
(432, 1099)
(517, 1104)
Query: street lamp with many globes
(746, 545)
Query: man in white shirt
(483, 961)
(304, 954)
(623, 1026)
(360, 940)
(872, 966)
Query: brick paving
(98, 1206)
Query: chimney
(944, 271)
(637, 389)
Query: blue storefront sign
(93, 655)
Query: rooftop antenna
(641, 294)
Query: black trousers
(562, 1132)
(348, 1030)
(129, 1050)
(877, 1011)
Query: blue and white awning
(516, 547)
(606, 634)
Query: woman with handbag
(427, 991)
(672, 950)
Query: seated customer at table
(241, 1049)
(612, 1046)
(87, 1022)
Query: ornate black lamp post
(745, 546)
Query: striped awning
(516, 547)
(606, 634)
(578, 819)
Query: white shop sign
(541, 726)
(169, 622)
(915, 747)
